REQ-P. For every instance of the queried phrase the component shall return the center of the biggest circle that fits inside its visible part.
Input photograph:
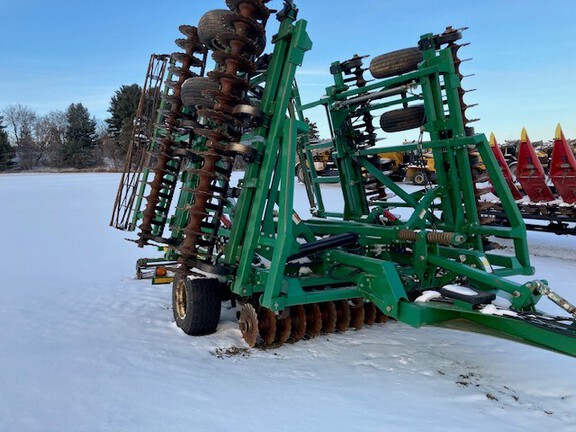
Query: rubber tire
(403, 119)
(420, 178)
(202, 313)
(212, 24)
(191, 92)
(395, 62)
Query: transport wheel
(196, 305)
(192, 90)
(211, 25)
(420, 178)
(403, 119)
(215, 23)
(395, 62)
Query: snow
(459, 289)
(86, 347)
(492, 309)
(427, 296)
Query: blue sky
(524, 52)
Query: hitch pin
(543, 289)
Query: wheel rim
(180, 299)
(419, 179)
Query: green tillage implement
(431, 268)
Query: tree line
(73, 139)
(68, 139)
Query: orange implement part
(504, 167)
(530, 173)
(563, 168)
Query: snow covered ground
(86, 347)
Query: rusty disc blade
(218, 117)
(328, 310)
(180, 72)
(298, 316)
(243, 64)
(381, 318)
(313, 320)
(248, 46)
(342, 315)
(188, 30)
(357, 314)
(267, 325)
(258, 9)
(249, 324)
(370, 311)
(283, 329)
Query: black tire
(403, 119)
(191, 92)
(395, 62)
(211, 25)
(196, 305)
(218, 21)
(420, 178)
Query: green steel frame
(440, 243)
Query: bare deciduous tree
(50, 131)
(21, 121)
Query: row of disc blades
(232, 37)
(168, 162)
(263, 327)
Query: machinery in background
(548, 197)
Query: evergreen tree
(123, 108)
(313, 133)
(6, 151)
(78, 148)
